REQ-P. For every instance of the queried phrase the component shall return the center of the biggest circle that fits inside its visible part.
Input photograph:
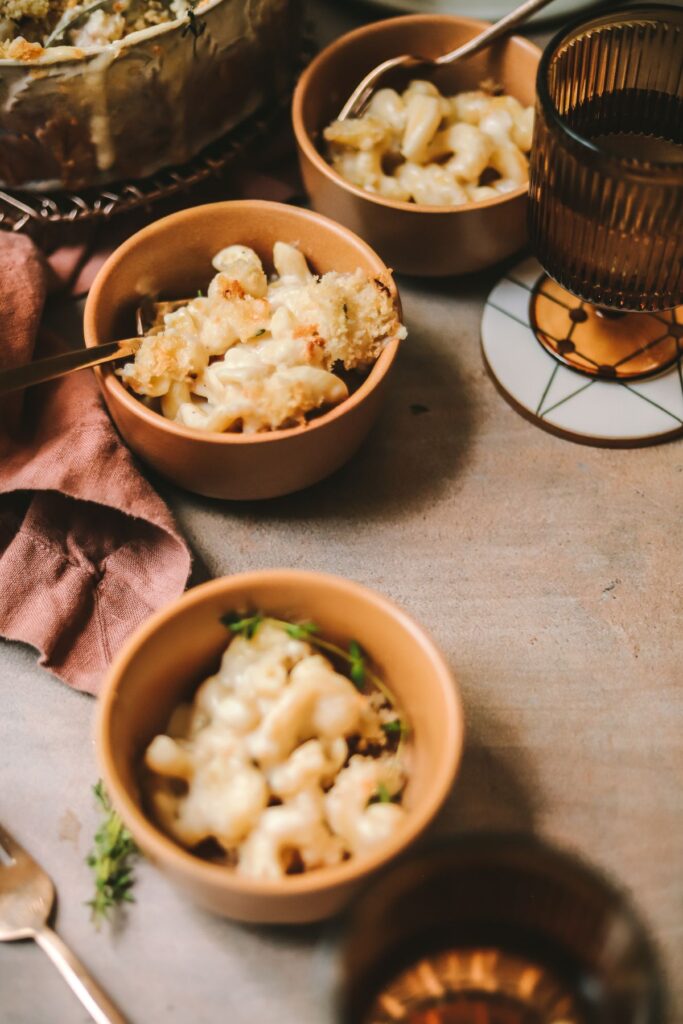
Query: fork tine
(11, 847)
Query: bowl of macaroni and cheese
(434, 174)
(267, 335)
(274, 738)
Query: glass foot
(624, 347)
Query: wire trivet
(28, 211)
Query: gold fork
(411, 65)
(26, 898)
(39, 371)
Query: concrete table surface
(550, 575)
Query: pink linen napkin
(87, 548)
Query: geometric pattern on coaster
(612, 413)
(600, 343)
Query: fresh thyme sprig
(395, 728)
(355, 657)
(110, 860)
(383, 795)
(242, 625)
(356, 664)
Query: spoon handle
(489, 35)
(42, 370)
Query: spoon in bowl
(360, 97)
(148, 315)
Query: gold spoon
(360, 97)
(148, 315)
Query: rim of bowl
(308, 147)
(83, 54)
(166, 850)
(120, 393)
(631, 166)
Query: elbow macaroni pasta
(254, 354)
(423, 147)
(264, 760)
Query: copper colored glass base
(489, 986)
(602, 344)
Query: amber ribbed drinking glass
(493, 929)
(606, 186)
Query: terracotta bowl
(175, 649)
(413, 239)
(172, 259)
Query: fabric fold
(87, 547)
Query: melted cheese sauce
(260, 762)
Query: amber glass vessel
(606, 189)
(491, 929)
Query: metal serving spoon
(41, 370)
(360, 97)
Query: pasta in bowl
(434, 175)
(283, 762)
(254, 354)
(278, 410)
(287, 777)
(423, 147)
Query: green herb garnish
(356, 664)
(381, 795)
(301, 630)
(110, 860)
(395, 728)
(243, 625)
(354, 657)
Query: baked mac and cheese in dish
(26, 25)
(257, 354)
(420, 146)
(281, 763)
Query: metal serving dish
(74, 118)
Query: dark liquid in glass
(633, 123)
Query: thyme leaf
(110, 859)
(243, 625)
(356, 663)
(397, 727)
(301, 630)
(381, 795)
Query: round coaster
(571, 400)
(599, 343)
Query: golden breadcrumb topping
(255, 354)
(27, 24)
(20, 49)
(17, 9)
